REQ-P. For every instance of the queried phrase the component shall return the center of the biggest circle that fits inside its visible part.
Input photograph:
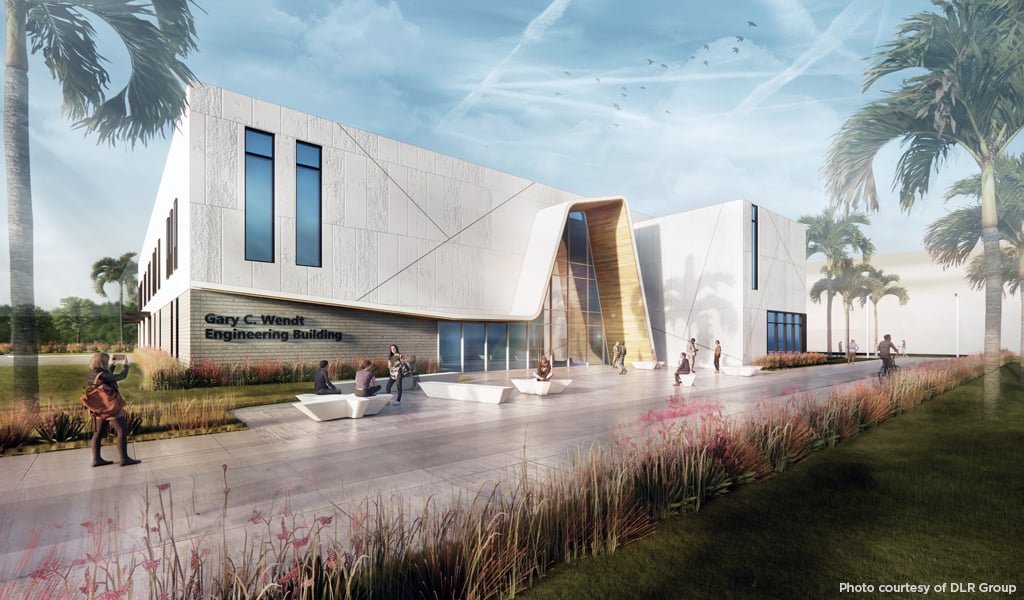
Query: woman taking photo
(99, 372)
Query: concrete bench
(541, 388)
(742, 370)
(339, 406)
(646, 365)
(687, 380)
(472, 392)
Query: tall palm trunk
(1020, 294)
(875, 303)
(120, 310)
(828, 320)
(19, 208)
(846, 312)
(993, 288)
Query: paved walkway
(286, 463)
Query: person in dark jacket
(99, 370)
(322, 381)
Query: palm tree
(847, 279)
(832, 234)
(878, 285)
(951, 239)
(156, 34)
(116, 270)
(963, 87)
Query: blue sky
(598, 97)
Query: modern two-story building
(282, 235)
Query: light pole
(867, 328)
(956, 310)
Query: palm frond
(157, 37)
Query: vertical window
(753, 246)
(259, 196)
(168, 261)
(307, 205)
(449, 338)
(174, 231)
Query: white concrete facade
(698, 275)
(410, 233)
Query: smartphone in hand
(119, 358)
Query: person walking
(396, 370)
(322, 381)
(99, 372)
(841, 349)
(903, 348)
(851, 351)
(691, 350)
(622, 358)
(718, 355)
(616, 354)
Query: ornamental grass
(500, 541)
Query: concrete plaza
(287, 464)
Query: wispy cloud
(534, 32)
(841, 28)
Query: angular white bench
(687, 380)
(646, 365)
(328, 407)
(742, 371)
(472, 392)
(541, 388)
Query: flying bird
(692, 57)
(751, 24)
(643, 88)
(615, 124)
(624, 88)
(623, 94)
(597, 79)
(706, 47)
(664, 66)
(567, 73)
(705, 63)
(617, 107)
(558, 93)
(650, 62)
(735, 50)
(739, 38)
(668, 112)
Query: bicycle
(888, 368)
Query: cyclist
(886, 350)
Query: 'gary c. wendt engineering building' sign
(264, 327)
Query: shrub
(784, 360)
(61, 426)
(16, 427)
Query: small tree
(74, 315)
(120, 271)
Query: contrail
(842, 27)
(534, 32)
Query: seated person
(322, 381)
(366, 385)
(543, 372)
(683, 369)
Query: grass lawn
(186, 412)
(930, 497)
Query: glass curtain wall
(569, 330)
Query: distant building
(281, 235)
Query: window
(307, 205)
(753, 246)
(786, 332)
(259, 196)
